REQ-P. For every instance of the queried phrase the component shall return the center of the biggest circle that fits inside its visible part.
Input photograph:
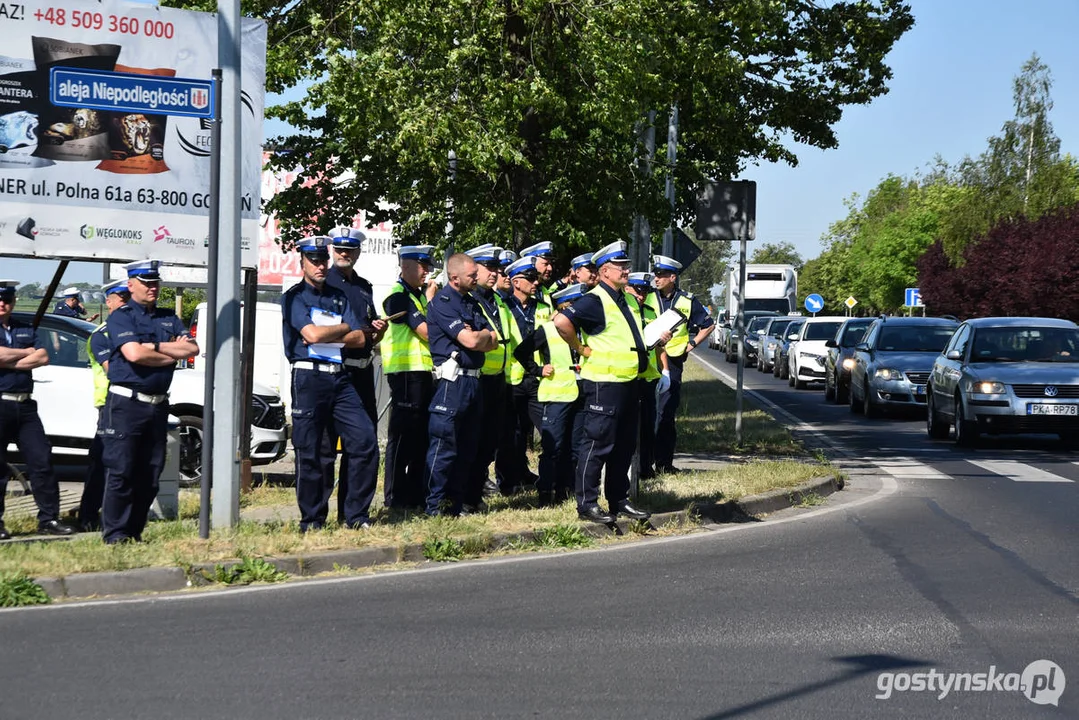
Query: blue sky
(952, 89)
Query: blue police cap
(570, 293)
(581, 261)
(144, 269)
(315, 245)
(540, 249)
(7, 288)
(420, 253)
(615, 252)
(116, 286)
(524, 266)
(641, 279)
(664, 263)
(483, 254)
(506, 258)
(347, 238)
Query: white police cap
(70, 292)
(486, 253)
(615, 252)
(662, 262)
(581, 261)
(570, 293)
(522, 266)
(144, 269)
(641, 279)
(346, 237)
(419, 253)
(116, 286)
(506, 258)
(540, 249)
(8, 285)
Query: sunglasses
(7, 298)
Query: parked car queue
(984, 376)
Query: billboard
(83, 183)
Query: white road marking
(906, 467)
(1019, 472)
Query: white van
(270, 364)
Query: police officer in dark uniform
(686, 337)
(493, 385)
(318, 324)
(613, 356)
(99, 348)
(345, 251)
(146, 343)
(543, 252)
(406, 363)
(20, 352)
(459, 336)
(71, 306)
(583, 271)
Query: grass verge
(707, 413)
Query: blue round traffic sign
(814, 303)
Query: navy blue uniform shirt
(448, 314)
(62, 308)
(586, 314)
(524, 314)
(486, 298)
(698, 315)
(296, 305)
(360, 299)
(402, 302)
(17, 335)
(100, 345)
(134, 323)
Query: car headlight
(848, 363)
(887, 374)
(987, 388)
(772, 345)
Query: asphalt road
(830, 612)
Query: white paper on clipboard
(669, 320)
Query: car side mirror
(954, 355)
(792, 336)
(831, 343)
(862, 347)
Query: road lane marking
(906, 467)
(1019, 472)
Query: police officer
(528, 310)
(613, 356)
(502, 285)
(547, 355)
(146, 343)
(99, 348)
(318, 324)
(493, 385)
(699, 324)
(406, 363)
(20, 352)
(459, 338)
(583, 271)
(656, 378)
(345, 251)
(71, 306)
(543, 252)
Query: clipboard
(395, 316)
(670, 319)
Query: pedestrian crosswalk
(909, 468)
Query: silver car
(1007, 375)
(893, 361)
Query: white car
(64, 391)
(807, 353)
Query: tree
(539, 102)
(777, 253)
(707, 271)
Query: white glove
(664, 382)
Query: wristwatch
(157, 346)
(692, 344)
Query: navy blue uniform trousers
(556, 440)
(493, 390)
(406, 439)
(666, 432)
(363, 379)
(321, 401)
(133, 452)
(647, 448)
(19, 423)
(606, 433)
(454, 436)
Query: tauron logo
(87, 232)
(160, 233)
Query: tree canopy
(541, 103)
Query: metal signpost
(850, 302)
(814, 303)
(728, 211)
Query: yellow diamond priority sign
(850, 302)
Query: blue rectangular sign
(129, 93)
(913, 297)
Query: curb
(168, 579)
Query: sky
(951, 90)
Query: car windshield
(1025, 344)
(776, 305)
(777, 327)
(757, 324)
(853, 334)
(914, 338)
(821, 330)
(794, 327)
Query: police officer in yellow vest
(656, 378)
(406, 363)
(547, 355)
(529, 310)
(493, 386)
(583, 271)
(543, 252)
(613, 357)
(698, 326)
(99, 348)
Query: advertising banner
(84, 183)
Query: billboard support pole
(209, 332)
(225, 511)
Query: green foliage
(782, 253)
(247, 571)
(563, 536)
(18, 590)
(443, 549)
(192, 298)
(542, 103)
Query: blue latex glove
(664, 382)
